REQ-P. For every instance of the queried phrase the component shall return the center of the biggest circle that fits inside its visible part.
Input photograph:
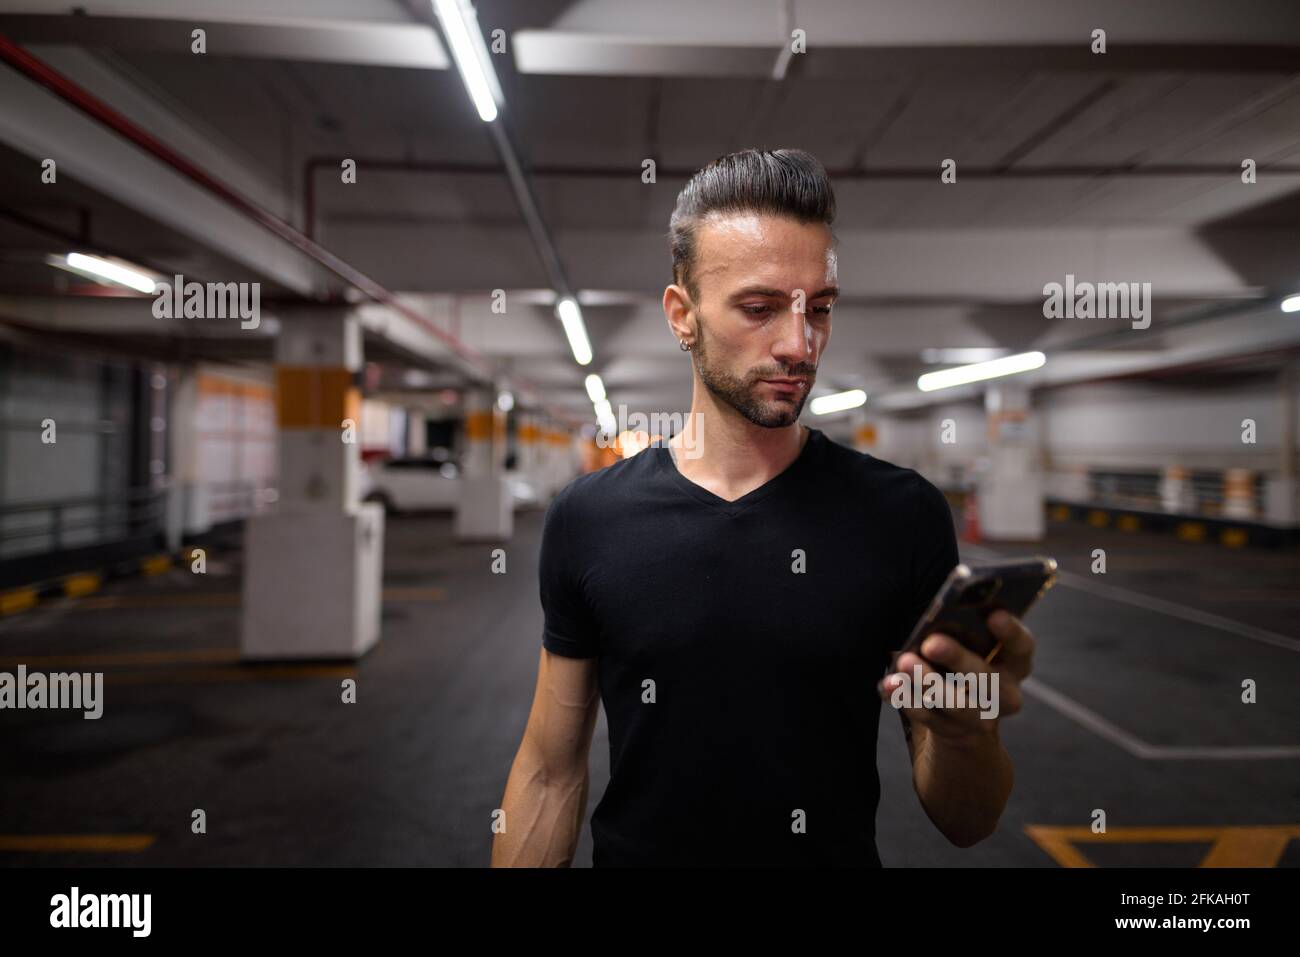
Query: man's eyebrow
(758, 291)
(778, 294)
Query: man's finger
(952, 655)
(941, 720)
(1017, 643)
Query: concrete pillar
(1176, 493)
(486, 508)
(1010, 491)
(314, 569)
(416, 444)
(189, 510)
(536, 454)
(528, 463)
(866, 436)
(1281, 506)
(1239, 494)
(563, 466)
(1070, 484)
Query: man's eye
(822, 310)
(761, 310)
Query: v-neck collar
(668, 468)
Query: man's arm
(961, 772)
(546, 793)
(962, 787)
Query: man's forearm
(963, 783)
(543, 819)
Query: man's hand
(960, 770)
(1012, 661)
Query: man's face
(766, 285)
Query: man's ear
(679, 310)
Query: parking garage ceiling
(1123, 166)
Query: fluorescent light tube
(962, 375)
(838, 402)
(111, 271)
(571, 318)
(470, 55)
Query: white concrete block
(1011, 508)
(312, 584)
(486, 511)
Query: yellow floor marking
(1247, 846)
(1250, 846)
(75, 586)
(75, 842)
(1128, 523)
(1233, 537)
(250, 672)
(19, 599)
(207, 656)
(1191, 531)
(235, 670)
(1098, 519)
(229, 599)
(156, 565)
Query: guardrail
(32, 528)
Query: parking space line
(1175, 610)
(226, 599)
(235, 670)
(42, 843)
(193, 655)
(1116, 735)
(1233, 846)
(251, 672)
(1141, 749)
(1159, 605)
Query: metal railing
(29, 528)
(1140, 489)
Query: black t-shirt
(740, 644)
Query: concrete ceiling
(1123, 166)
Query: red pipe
(100, 111)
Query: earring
(683, 346)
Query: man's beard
(742, 393)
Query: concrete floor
(410, 774)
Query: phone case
(971, 594)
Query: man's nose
(797, 343)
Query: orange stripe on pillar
(478, 425)
(308, 397)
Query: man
(735, 595)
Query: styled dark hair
(783, 182)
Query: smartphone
(970, 595)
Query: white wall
(1121, 424)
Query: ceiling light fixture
(837, 402)
(571, 317)
(460, 26)
(104, 269)
(963, 375)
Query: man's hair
(781, 182)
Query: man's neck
(730, 457)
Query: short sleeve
(569, 627)
(933, 551)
